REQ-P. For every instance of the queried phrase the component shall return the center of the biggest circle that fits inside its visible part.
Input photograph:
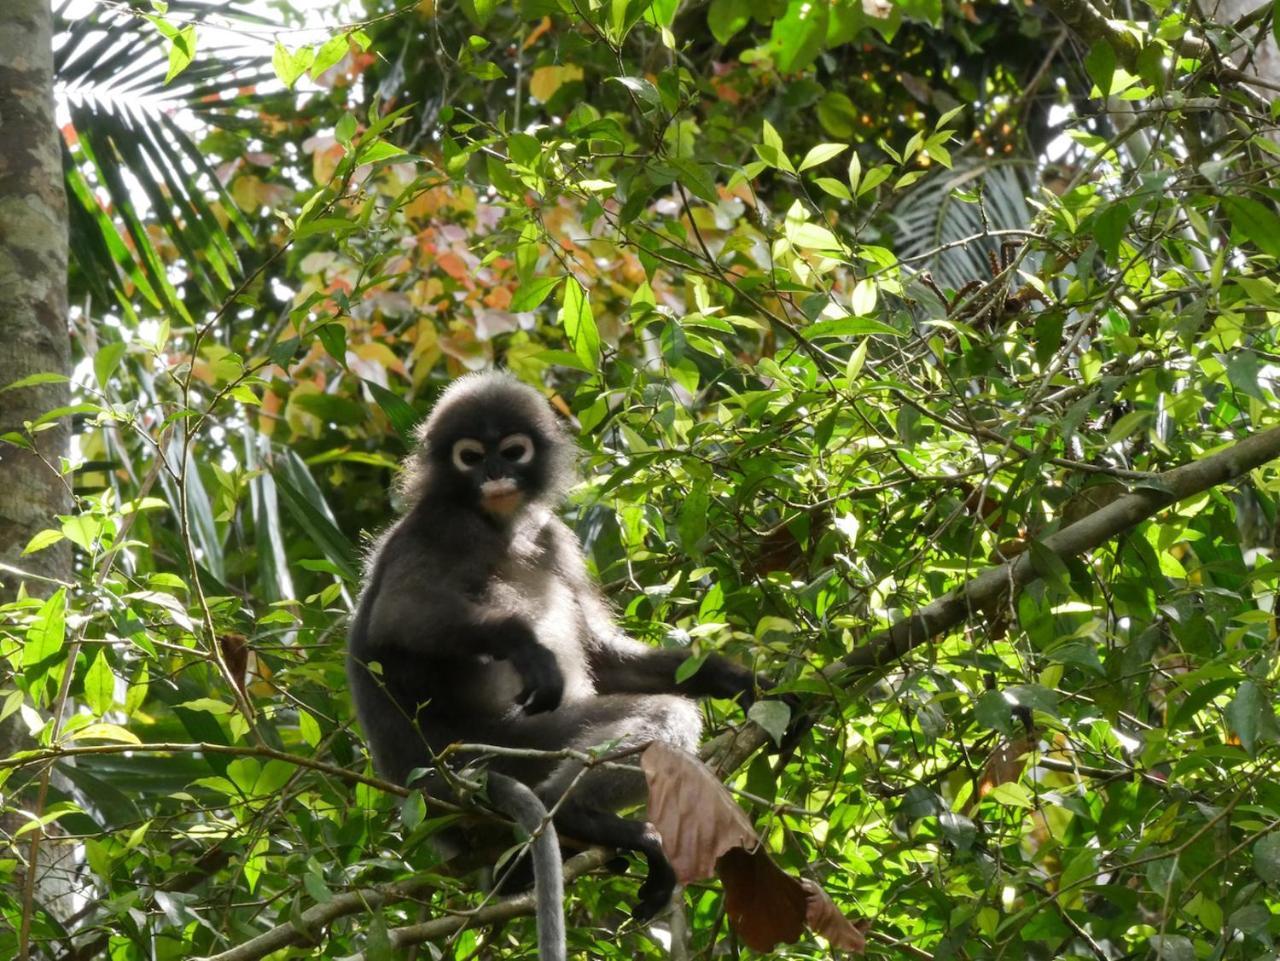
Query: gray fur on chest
(536, 580)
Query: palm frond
(932, 216)
(143, 196)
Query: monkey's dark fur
(487, 628)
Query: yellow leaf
(378, 353)
(104, 732)
(545, 81)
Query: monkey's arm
(624, 666)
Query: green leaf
(48, 632)
(773, 716)
(99, 685)
(42, 539)
(1257, 222)
(308, 728)
(1244, 714)
(580, 325)
(808, 236)
(1100, 64)
(290, 65)
(726, 18)
(1109, 228)
(643, 90)
(849, 327)
(104, 732)
(1251, 919)
(83, 530)
(306, 503)
(334, 339)
(1172, 947)
(821, 154)
(399, 411)
(1266, 858)
(371, 151)
(1012, 794)
(693, 517)
(1047, 563)
(838, 115)
(994, 712)
(1128, 425)
(532, 294)
(697, 179)
(799, 35)
(689, 667)
(413, 810)
(34, 380)
(330, 52)
(106, 360)
(182, 50)
(835, 188)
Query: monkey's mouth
(500, 497)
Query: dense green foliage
(836, 335)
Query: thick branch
(316, 918)
(516, 907)
(993, 584)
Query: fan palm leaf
(933, 220)
(143, 197)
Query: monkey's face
(501, 470)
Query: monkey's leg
(585, 813)
(596, 826)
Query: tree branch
(369, 899)
(993, 584)
(997, 583)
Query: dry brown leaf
(824, 918)
(1005, 763)
(704, 831)
(693, 812)
(765, 905)
(235, 654)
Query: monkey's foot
(654, 896)
(618, 864)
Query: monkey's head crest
(489, 437)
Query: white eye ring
(462, 448)
(517, 448)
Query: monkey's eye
(517, 448)
(467, 453)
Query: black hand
(543, 682)
(721, 677)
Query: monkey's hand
(543, 682)
(514, 640)
(720, 677)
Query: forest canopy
(920, 354)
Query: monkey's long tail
(525, 808)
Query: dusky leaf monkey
(479, 624)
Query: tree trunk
(33, 333)
(33, 292)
